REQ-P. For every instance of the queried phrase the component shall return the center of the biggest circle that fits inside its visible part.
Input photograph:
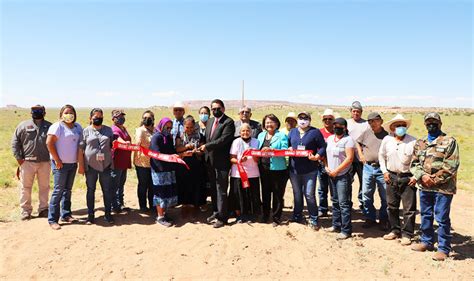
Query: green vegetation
(457, 123)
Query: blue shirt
(311, 140)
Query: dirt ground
(136, 248)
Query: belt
(401, 175)
(373, 163)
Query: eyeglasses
(327, 119)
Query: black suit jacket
(218, 147)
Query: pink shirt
(122, 158)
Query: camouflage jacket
(438, 159)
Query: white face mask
(303, 123)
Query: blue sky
(143, 53)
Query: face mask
(400, 131)
(148, 121)
(217, 113)
(338, 131)
(97, 121)
(68, 118)
(303, 123)
(37, 114)
(432, 128)
(120, 120)
(203, 117)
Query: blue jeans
(105, 179)
(63, 180)
(118, 180)
(372, 178)
(441, 204)
(341, 203)
(323, 189)
(305, 184)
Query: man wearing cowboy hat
(290, 123)
(434, 165)
(395, 154)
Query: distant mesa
(11, 106)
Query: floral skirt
(164, 189)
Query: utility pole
(243, 95)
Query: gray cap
(373, 115)
(433, 115)
(356, 105)
(305, 113)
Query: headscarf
(161, 124)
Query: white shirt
(394, 155)
(356, 129)
(250, 166)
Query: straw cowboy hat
(397, 118)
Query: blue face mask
(400, 131)
(204, 117)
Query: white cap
(291, 115)
(328, 112)
(178, 104)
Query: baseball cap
(117, 113)
(373, 115)
(432, 115)
(356, 105)
(305, 113)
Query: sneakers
(322, 214)
(369, 224)
(332, 229)
(421, 247)
(391, 236)
(90, 220)
(405, 241)
(25, 217)
(163, 222)
(440, 256)
(212, 218)
(43, 214)
(342, 236)
(55, 226)
(218, 224)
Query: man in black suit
(219, 136)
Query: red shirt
(325, 133)
(122, 158)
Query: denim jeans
(145, 187)
(63, 181)
(305, 184)
(323, 189)
(341, 203)
(437, 205)
(118, 179)
(372, 178)
(105, 180)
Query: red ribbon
(268, 153)
(150, 153)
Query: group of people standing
(249, 187)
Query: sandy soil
(137, 248)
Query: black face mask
(97, 121)
(148, 121)
(338, 131)
(217, 113)
(432, 128)
(37, 114)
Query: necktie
(214, 126)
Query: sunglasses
(178, 109)
(245, 112)
(303, 118)
(327, 119)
